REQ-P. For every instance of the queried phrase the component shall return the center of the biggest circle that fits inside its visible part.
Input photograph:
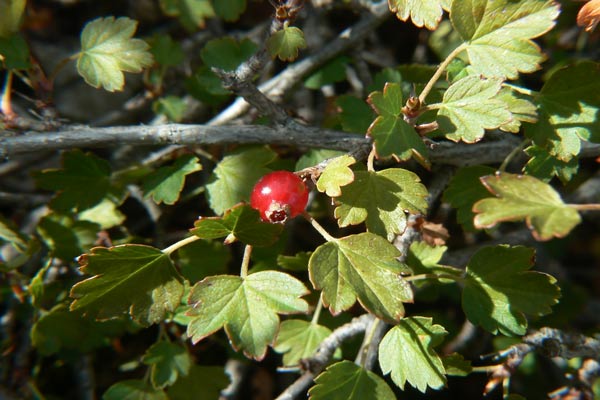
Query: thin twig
(316, 363)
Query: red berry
(278, 196)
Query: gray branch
(315, 364)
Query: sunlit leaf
(133, 390)
(381, 200)
(406, 352)
(108, 50)
(286, 43)
(521, 197)
(347, 381)
(361, 267)
(545, 166)
(298, 339)
(498, 33)
(426, 13)
(246, 308)
(11, 13)
(469, 107)
(135, 279)
(191, 13)
(335, 175)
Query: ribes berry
(278, 196)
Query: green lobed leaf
(314, 156)
(14, 52)
(521, 108)
(65, 237)
(456, 365)
(345, 380)
(202, 382)
(227, 53)
(246, 308)
(105, 214)
(60, 329)
(426, 13)
(355, 114)
(333, 71)
(498, 33)
(166, 51)
(569, 111)
(168, 361)
(286, 43)
(166, 183)
(233, 179)
(133, 389)
(406, 352)
(230, 10)
(137, 279)
(545, 166)
(191, 13)
(298, 339)
(363, 267)
(499, 289)
(11, 15)
(172, 107)
(521, 197)
(335, 175)
(381, 200)
(72, 182)
(470, 106)
(108, 50)
(241, 223)
(464, 190)
(392, 135)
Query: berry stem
(317, 312)
(246, 261)
(370, 160)
(440, 70)
(177, 245)
(318, 227)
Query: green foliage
(108, 50)
(134, 390)
(11, 14)
(246, 308)
(464, 190)
(426, 13)
(298, 339)
(524, 197)
(135, 279)
(406, 352)
(569, 111)
(168, 361)
(286, 43)
(24, 246)
(347, 381)
(381, 200)
(191, 13)
(469, 107)
(227, 53)
(241, 223)
(361, 267)
(333, 71)
(498, 34)
(172, 107)
(232, 180)
(14, 52)
(72, 182)
(229, 10)
(166, 183)
(499, 289)
(393, 136)
(355, 115)
(335, 175)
